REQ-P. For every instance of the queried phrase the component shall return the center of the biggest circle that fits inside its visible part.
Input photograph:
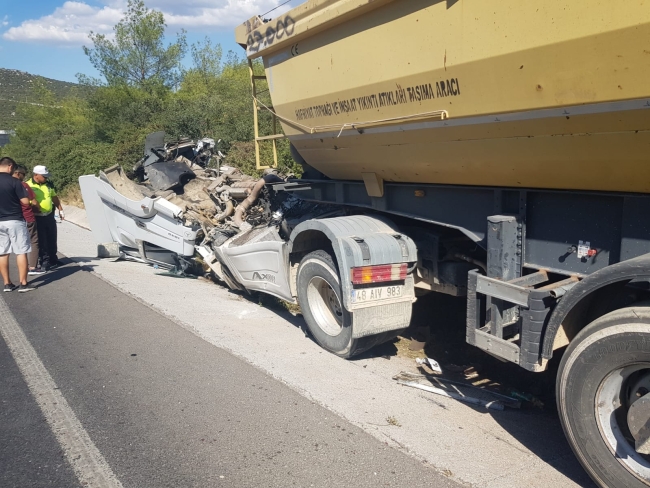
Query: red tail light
(378, 274)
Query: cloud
(219, 14)
(67, 25)
(5, 21)
(71, 23)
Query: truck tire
(319, 296)
(604, 370)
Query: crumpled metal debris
(190, 175)
(457, 390)
(219, 199)
(527, 397)
(172, 165)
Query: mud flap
(381, 318)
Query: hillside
(16, 90)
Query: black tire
(317, 271)
(611, 351)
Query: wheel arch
(593, 297)
(302, 243)
(358, 240)
(307, 240)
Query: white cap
(41, 170)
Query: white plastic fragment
(432, 363)
(492, 405)
(457, 390)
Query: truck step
(533, 306)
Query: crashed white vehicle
(351, 274)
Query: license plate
(376, 294)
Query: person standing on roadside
(14, 236)
(45, 221)
(30, 219)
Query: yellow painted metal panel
(357, 93)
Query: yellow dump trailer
(509, 141)
(510, 93)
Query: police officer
(45, 222)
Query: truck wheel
(319, 296)
(604, 371)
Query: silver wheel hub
(622, 412)
(325, 306)
(638, 421)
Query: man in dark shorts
(28, 215)
(14, 236)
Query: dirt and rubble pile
(219, 199)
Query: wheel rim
(613, 399)
(325, 306)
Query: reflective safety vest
(44, 194)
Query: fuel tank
(506, 93)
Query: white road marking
(89, 465)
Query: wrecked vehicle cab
(351, 274)
(127, 223)
(148, 221)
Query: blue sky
(45, 37)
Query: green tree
(105, 123)
(60, 135)
(215, 105)
(206, 58)
(138, 56)
(115, 109)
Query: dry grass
(72, 196)
(393, 421)
(293, 308)
(402, 344)
(270, 301)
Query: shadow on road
(442, 319)
(536, 425)
(54, 275)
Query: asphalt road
(467, 444)
(29, 453)
(164, 408)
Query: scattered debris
(470, 373)
(183, 173)
(177, 273)
(431, 363)
(527, 397)
(393, 421)
(218, 202)
(457, 390)
(505, 399)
